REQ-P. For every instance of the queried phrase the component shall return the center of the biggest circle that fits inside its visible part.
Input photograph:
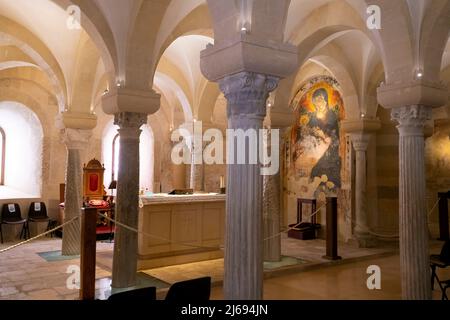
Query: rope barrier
(40, 235)
(287, 229)
(155, 237)
(393, 235)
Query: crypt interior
(353, 96)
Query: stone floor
(304, 275)
(309, 254)
(26, 275)
(338, 282)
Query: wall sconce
(120, 83)
(244, 29)
(418, 74)
(245, 20)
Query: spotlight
(419, 74)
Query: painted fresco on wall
(314, 151)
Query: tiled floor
(26, 275)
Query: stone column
(197, 170)
(272, 212)
(246, 94)
(127, 202)
(360, 142)
(414, 255)
(197, 173)
(75, 141)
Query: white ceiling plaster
(49, 24)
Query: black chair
(142, 294)
(441, 261)
(196, 290)
(11, 215)
(38, 213)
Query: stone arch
(435, 36)
(20, 37)
(196, 22)
(168, 22)
(164, 82)
(394, 40)
(97, 27)
(8, 92)
(83, 84)
(287, 89)
(207, 101)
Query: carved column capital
(130, 124)
(360, 141)
(411, 119)
(247, 93)
(75, 139)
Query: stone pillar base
(365, 241)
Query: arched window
(21, 140)
(111, 151)
(2, 156)
(115, 157)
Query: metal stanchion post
(332, 233)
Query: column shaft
(127, 202)
(246, 94)
(414, 254)
(72, 204)
(75, 140)
(360, 143)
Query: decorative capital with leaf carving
(247, 93)
(75, 139)
(130, 124)
(411, 119)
